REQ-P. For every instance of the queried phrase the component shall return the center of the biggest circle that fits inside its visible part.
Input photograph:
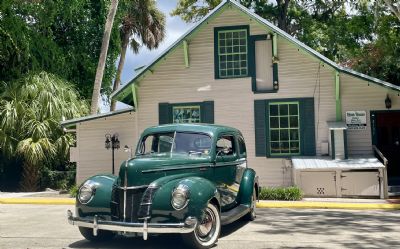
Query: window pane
(294, 134)
(285, 147)
(284, 135)
(274, 135)
(186, 114)
(294, 122)
(232, 48)
(284, 128)
(294, 147)
(274, 122)
(284, 122)
(273, 110)
(293, 110)
(283, 109)
(275, 147)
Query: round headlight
(180, 197)
(86, 193)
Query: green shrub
(282, 194)
(73, 191)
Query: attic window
(231, 57)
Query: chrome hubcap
(206, 228)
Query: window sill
(265, 91)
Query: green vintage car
(184, 178)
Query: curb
(327, 205)
(38, 201)
(260, 204)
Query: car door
(224, 169)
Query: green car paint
(100, 203)
(224, 180)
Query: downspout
(337, 97)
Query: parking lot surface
(45, 226)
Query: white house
(237, 69)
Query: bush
(282, 194)
(73, 191)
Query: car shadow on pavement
(164, 241)
(122, 242)
(348, 228)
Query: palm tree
(30, 112)
(143, 24)
(103, 55)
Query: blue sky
(175, 27)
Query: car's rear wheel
(252, 213)
(102, 235)
(207, 231)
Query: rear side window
(242, 147)
(225, 145)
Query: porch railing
(385, 163)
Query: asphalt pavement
(45, 226)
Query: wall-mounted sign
(356, 120)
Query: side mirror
(126, 148)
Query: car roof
(210, 129)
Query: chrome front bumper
(96, 224)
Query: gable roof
(123, 94)
(71, 122)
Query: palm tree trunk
(30, 177)
(121, 63)
(103, 56)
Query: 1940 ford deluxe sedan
(184, 178)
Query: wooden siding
(300, 76)
(94, 158)
(233, 98)
(359, 95)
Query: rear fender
(248, 184)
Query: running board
(234, 214)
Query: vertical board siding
(358, 95)
(94, 158)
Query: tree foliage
(30, 111)
(360, 34)
(142, 25)
(60, 37)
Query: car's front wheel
(207, 231)
(101, 234)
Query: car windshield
(175, 142)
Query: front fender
(100, 204)
(248, 184)
(201, 192)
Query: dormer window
(231, 57)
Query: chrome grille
(133, 200)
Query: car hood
(143, 170)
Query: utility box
(337, 140)
(327, 177)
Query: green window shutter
(260, 117)
(207, 112)
(275, 74)
(164, 113)
(307, 127)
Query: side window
(242, 147)
(157, 143)
(225, 145)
